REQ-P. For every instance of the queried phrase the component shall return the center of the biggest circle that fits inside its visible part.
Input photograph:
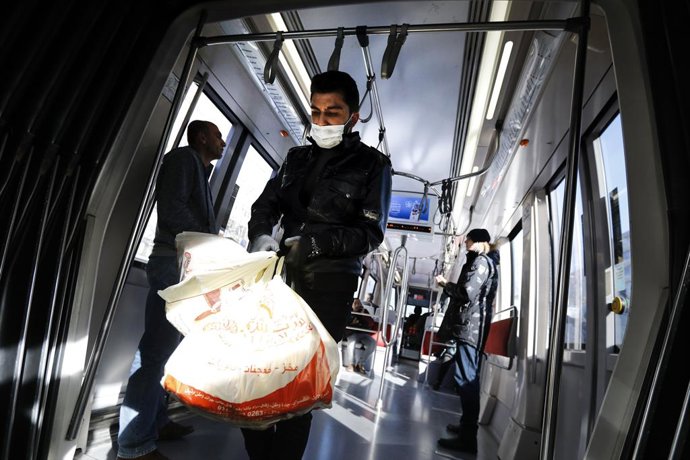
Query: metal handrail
(491, 26)
(387, 337)
(431, 338)
(555, 355)
(376, 101)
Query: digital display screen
(409, 208)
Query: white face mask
(328, 136)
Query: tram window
(505, 295)
(370, 288)
(576, 319)
(205, 109)
(254, 174)
(609, 154)
(516, 265)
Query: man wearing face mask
(332, 199)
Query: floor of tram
(412, 417)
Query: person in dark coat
(467, 321)
(184, 204)
(332, 199)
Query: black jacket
(183, 199)
(346, 214)
(471, 300)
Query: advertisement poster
(409, 208)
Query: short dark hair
(195, 128)
(334, 81)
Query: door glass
(608, 149)
(251, 181)
(516, 259)
(205, 109)
(505, 297)
(576, 319)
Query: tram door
(599, 297)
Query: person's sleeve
(469, 285)
(366, 233)
(174, 189)
(266, 209)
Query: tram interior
(481, 125)
(423, 107)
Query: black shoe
(461, 445)
(452, 428)
(172, 431)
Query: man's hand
(263, 243)
(441, 280)
(296, 251)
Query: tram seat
(500, 342)
(377, 335)
(426, 344)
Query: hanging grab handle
(334, 61)
(370, 82)
(363, 40)
(390, 55)
(270, 68)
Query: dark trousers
(330, 297)
(467, 367)
(143, 410)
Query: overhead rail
(395, 42)
(498, 26)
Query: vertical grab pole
(388, 339)
(431, 335)
(555, 356)
(97, 352)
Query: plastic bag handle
(279, 266)
(273, 270)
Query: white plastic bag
(204, 252)
(215, 270)
(263, 356)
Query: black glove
(301, 249)
(296, 255)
